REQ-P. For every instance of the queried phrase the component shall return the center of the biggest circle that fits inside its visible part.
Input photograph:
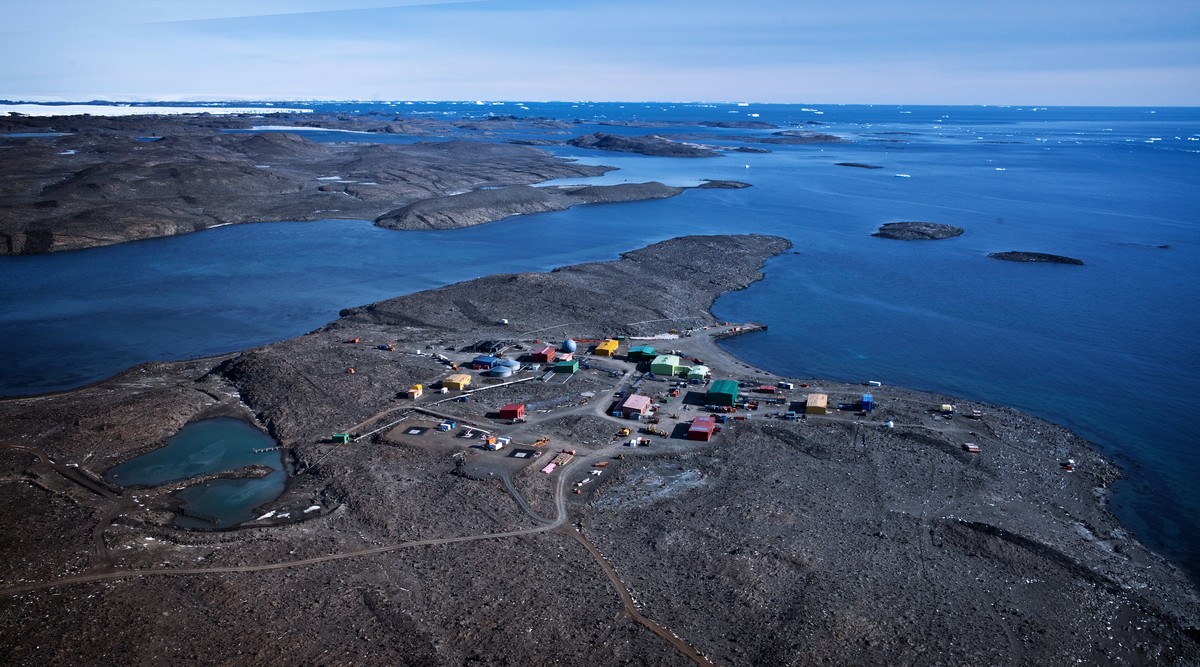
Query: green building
(699, 373)
(667, 364)
(571, 366)
(641, 352)
(723, 392)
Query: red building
(702, 428)
(513, 411)
(544, 355)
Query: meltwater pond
(204, 448)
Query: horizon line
(499, 102)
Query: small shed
(766, 389)
(513, 411)
(642, 352)
(415, 391)
(457, 381)
(818, 404)
(702, 428)
(544, 355)
(635, 406)
(568, 366)
(723, 392)
(868, 402)
(667, 364)
(341, 438)
(606, 348)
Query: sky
(1028, 52)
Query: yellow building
(458, 381)
(818, 404)
(415, 391)
(607, 348)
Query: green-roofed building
(571, 366)
(667, 364)
(723, 392)
(642, 352)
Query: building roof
(636, 403)
(724, 387)
(703, 424)
(459, 378)
(818, 399)
(607, 344)
(513, 407)
(667, 359)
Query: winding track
(560, 519)
(558, 525)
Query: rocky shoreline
(866, 538)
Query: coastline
(1041, 521)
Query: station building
(723, 392)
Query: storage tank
(501, 372)
(568, 345)
(511, 363)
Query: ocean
(1107, 349)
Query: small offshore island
(1023, 256)
(918, 231)
(527, 468)
(895, 528)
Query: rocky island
(645, 145)
(918, 231)
(918, 528)
(1023, 256)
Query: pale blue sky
(1044, 52)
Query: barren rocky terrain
(83, 182)
(843, 538)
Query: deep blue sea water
(1108, 349)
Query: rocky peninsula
(492, 204)
(918, 231)
(82, 182)
(1023, 256)
(846, 537)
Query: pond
(209, 447)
